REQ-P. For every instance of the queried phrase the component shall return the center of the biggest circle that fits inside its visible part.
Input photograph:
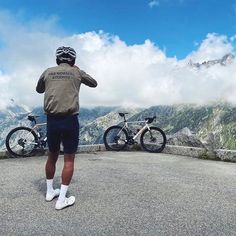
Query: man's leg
(50, 169)
(68, 168)
(70, 143)
(66, 177)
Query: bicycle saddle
(32, 118)
(123, 114)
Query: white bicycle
(152, 139)
(23, 141)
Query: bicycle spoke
(115, 138)
(21, 141)
(153, 140)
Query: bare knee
(53, 156)
(69, 160)
(68, 168)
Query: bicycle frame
(36, 128)
(126, 127)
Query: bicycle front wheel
(21, 141)
(115, 138)
(153, 139)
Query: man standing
(61, 85)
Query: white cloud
(153, 3)
(213, 47)
(140, 75)
(233, 38)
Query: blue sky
(175, 26)
(139, 51)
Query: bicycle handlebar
(32, 119)
(148, 120)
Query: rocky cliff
(208, 123)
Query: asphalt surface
(121, 193)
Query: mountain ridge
(224, 61)
(217, 120)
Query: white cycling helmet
(65, 54)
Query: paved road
(124, 193)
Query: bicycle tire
(113, 141)
(16, 141)
(153, 140)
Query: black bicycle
(152, 139)
(23, 141)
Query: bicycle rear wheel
(115, 138)
(153, 140)
(21, 141)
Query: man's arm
(88, 80)
(40, 88)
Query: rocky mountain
(225, 60)
(16, 115)
(215, 122)
(92, 133)
(10, 117)
(185, 137)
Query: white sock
(49, 185)
(63, 192)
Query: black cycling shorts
(65, 130)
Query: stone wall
(220, 154)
